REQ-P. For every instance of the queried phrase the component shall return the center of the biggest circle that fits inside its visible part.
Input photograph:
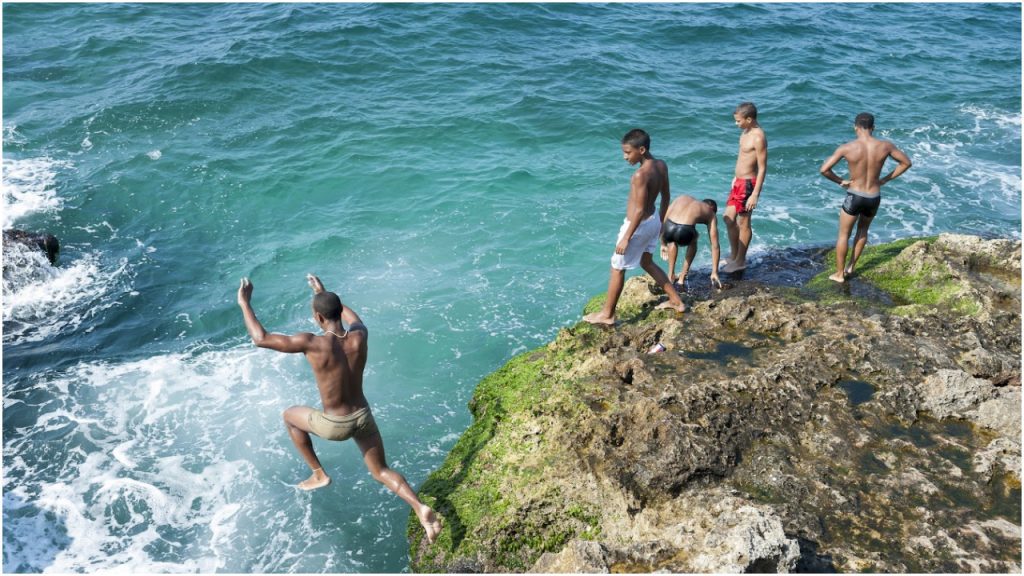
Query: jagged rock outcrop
(45, 243)
(790, 426)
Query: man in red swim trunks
(751, 166)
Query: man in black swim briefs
(859, 203)
(865, 157)
(679, 229)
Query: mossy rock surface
(743, 447)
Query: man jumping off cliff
(337, 358)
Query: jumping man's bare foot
(429, 521)
(837, 277)
(848, 271)
(598, 318)
(669, 305)
(317, 480)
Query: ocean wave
(137, 474)
(147, 465)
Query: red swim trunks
(741, 190)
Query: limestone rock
(781, 430)
(578, 556)
(747, 540)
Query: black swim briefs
(857, 204)
(681, 234)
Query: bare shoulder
(661, 166)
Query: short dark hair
(328, 305)
(747, 110)
(864, 120)
(637, 138)
(712, 203)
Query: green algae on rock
(740, 448)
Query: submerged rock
(792, 424)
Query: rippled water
(452, 170)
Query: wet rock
(45, 243)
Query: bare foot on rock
(598, 318)
(837, 277)
(429, 521)
(668, 305)
(732, 266)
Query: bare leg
(372, 448)
(673, 253)
(859, 241)
(296, 419)
(691, 253)
(743, 222)
(842, 244)
(733, 232)
(674, 302)
(607, 314)
(743, 233)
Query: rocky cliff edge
(791, 425)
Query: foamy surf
(125, 466)
(176, 463)
(42, 301)
(29, 188)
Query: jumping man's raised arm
(260, 337)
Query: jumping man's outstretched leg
(372, 448)
(296, 419)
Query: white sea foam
(28, 188)
(180, 463)
(989, 114)
(158, 475)
(42, 300)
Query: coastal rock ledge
(792, 425)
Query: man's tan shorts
(359, 424)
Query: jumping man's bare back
(337, 358)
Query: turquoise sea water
(452, 170)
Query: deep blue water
(452, 170)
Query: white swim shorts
(645, 239)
